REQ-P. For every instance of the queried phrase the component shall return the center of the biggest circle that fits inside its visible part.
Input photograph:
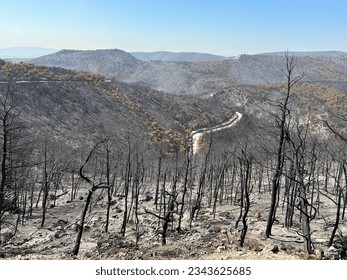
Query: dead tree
(160, 158)
(337, 218)
(108, 183)
(185, 189)
(282, 125)
(127, 181)
(93, 188)
(195, 207)
(12, 148)
(167, 216)
(245, 162)
(219, 183)
(290, 194)
(45, 184)
(339, 192)
(303, 158)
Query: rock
(147, 197)
(60, 222)
(221, 248)
(320, 254)
(258, 249)
(275, 249)
(332, 249)
(283, 247)
(113, 202)
(47, 251)
(88, 255)
(214, 229)
(57, 234)
(340, 245)
(225, 214)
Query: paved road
(196, 135)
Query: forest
(269, 187)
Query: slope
(196, 78)
(78, 107)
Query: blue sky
(224, 27)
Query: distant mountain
(109, 63)
(199, 77)
(24, 52)
(177, 56)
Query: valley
(107, 156)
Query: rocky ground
(209, 238)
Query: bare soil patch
(208, 238)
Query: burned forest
(100, 167)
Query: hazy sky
(225, 27)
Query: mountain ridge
(198, 77)
(102, 62)
(177, 56)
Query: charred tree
(185, 189)
(282, 126)
(93, 188)
(245, 162)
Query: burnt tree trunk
(94, 187)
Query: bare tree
(245, 161)
(168, 211)
(303, 157)
(186, 183)
(127, 181)
(11, 148)
(94, 187)
(282, 126)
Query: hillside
(245, 81)
(79, 107)
(196, 78)
(109, 63)
(140, 193)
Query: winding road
(196, 135)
